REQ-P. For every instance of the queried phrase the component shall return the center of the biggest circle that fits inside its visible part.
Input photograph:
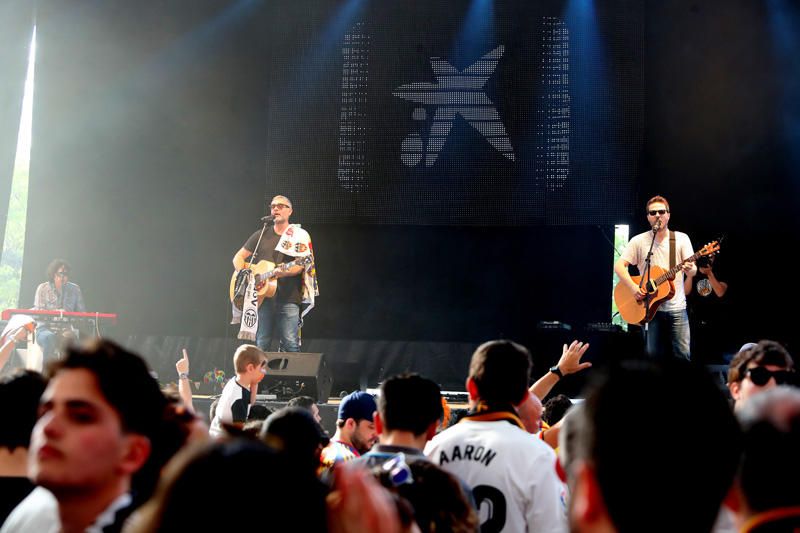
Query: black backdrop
(349, 87)
(148, 172)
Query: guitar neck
(670, 274)
(283, 267)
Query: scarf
(249, 326)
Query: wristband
(183, 375)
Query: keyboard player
(56, 294)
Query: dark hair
(184, 489)
(705, 261)
(770, 467)
(437, 498)
(764, 353)
(125, 382)
(294, 431)
(500, 370)
(301, 401)
(410, 402)
(555, 408)
(19, 394)
(653, 400)
(53, 267)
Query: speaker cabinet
(291, 374)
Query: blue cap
(358, 406)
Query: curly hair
(53, 267)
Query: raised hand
(182, 366)
(570, 360)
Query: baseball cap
(357, 405)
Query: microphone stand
(646, 280)
(267, 221)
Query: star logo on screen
(456, 92)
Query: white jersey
(636, 253)
(232, 407)
(512, 474)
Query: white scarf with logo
(249, 326)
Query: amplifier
(291, 374)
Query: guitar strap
(672, 262)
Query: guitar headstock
(709, 249)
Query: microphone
(268, 218)
(657, 226)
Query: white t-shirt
(37, 512)
(636, 252)
(233, 406)
(512, 474)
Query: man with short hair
(308, 403)
(355, 430)
(98, 418)
(758, 368)
(668, 331)
(637, 476)
(281, 244)
(512, 473)
(294, 431)
(409, 411)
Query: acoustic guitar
(265, 281)
(660, 289)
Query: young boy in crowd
(240, 392)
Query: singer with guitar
(668, 330)
(279, 244)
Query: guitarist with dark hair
(281, 259)
(653, 293)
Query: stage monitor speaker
(291, 374)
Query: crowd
(97, 445)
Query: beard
(361, 444)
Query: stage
(463, 177)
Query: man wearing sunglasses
(758, 368)
(670, 325)
(57, 293)
(282, 243)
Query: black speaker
(291, 374)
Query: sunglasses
(760, 376)
(278, 206)
(654, 212)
